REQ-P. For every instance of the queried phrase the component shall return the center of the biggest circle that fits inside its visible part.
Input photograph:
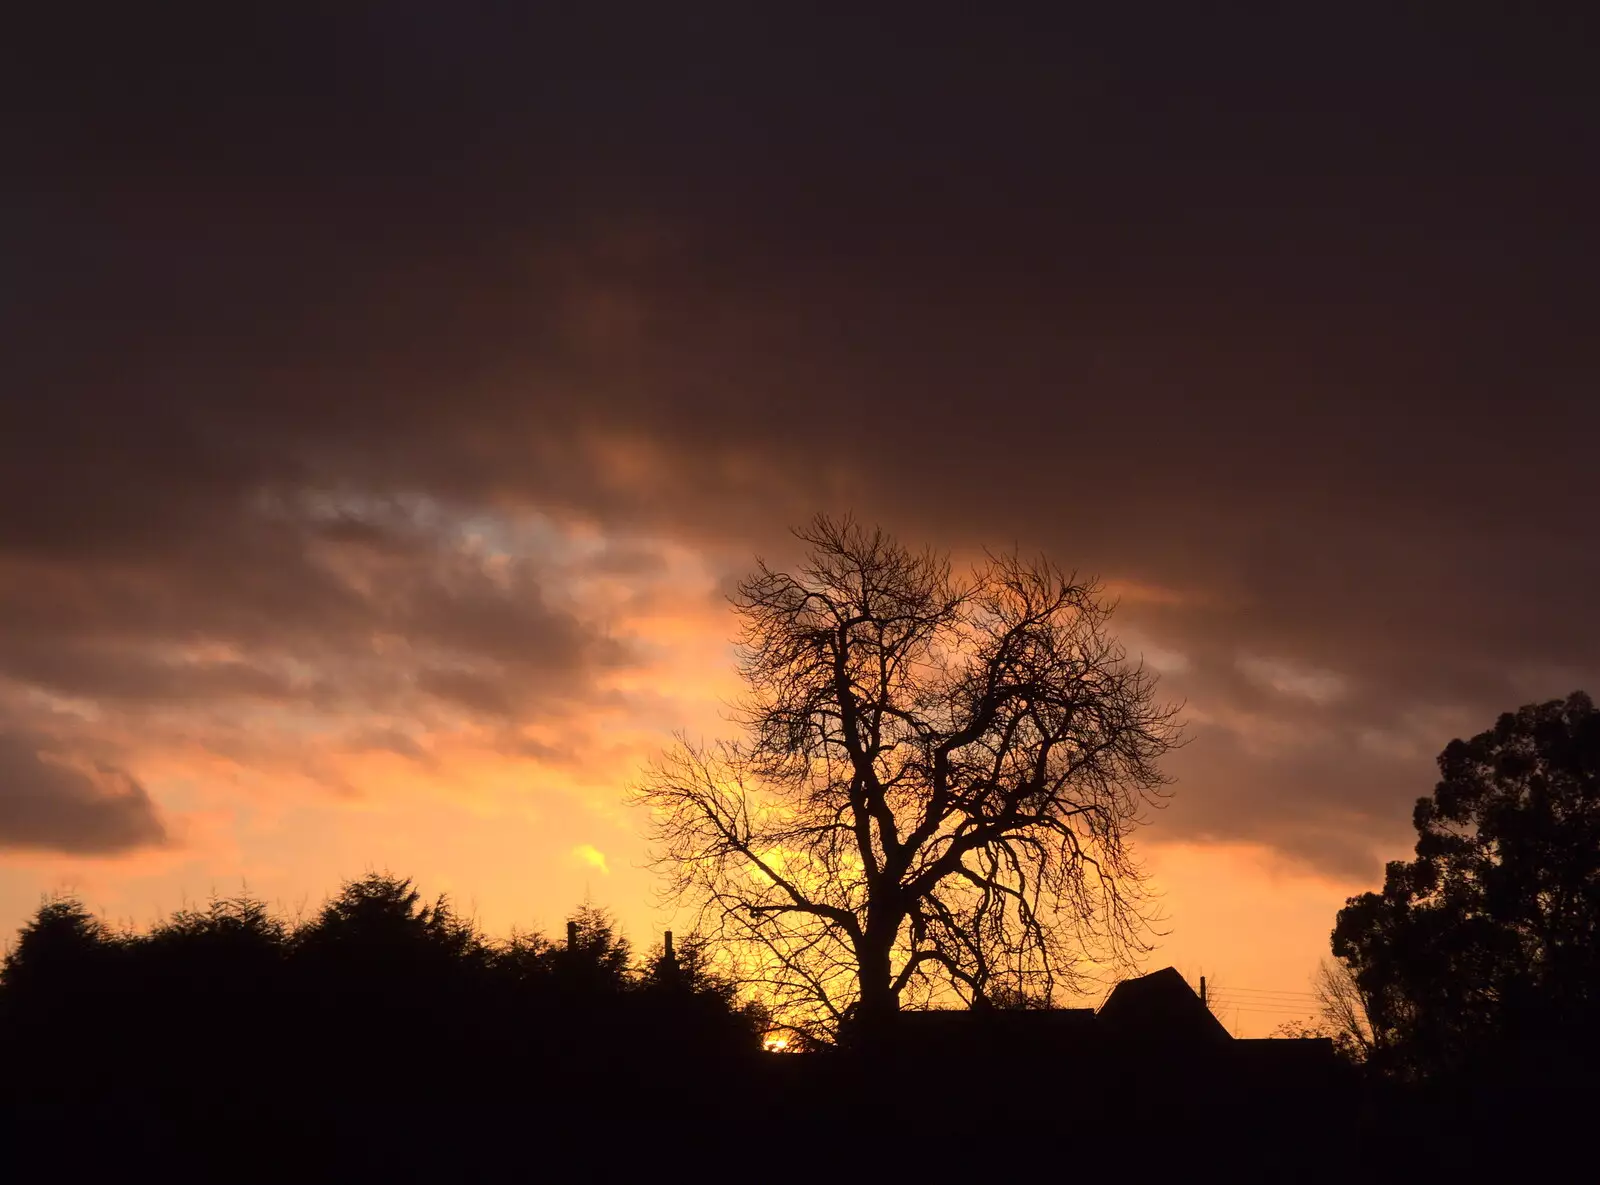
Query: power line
(1224, 998)
(1290, 1005)
(1229, 993)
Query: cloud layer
(345, 361)
(53, 805)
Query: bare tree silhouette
(935, 788)
(1342, 1010)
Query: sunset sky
(393, 394)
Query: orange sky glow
(520, 821)
(392, 402)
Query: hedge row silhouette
(230, 996)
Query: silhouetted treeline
(385, 1038)
(358, 1032)
(378, 973)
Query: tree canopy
(380, 1038)
(935, 786)
(1489, 939)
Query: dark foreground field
(823, 1117)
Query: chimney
(1203, 991)
(572, 936)
(666, 944)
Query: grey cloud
(477, 691)
(627, 559)
(209, 647)
(51, 806)
(510, 624)
(391, 740)
(69, 667)
(1323, 798)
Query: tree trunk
(878, 1007)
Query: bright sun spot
(587, 853)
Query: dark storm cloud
(1291, 316)
(48, 805)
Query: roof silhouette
(1160, 1006)
(1155, 1011)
